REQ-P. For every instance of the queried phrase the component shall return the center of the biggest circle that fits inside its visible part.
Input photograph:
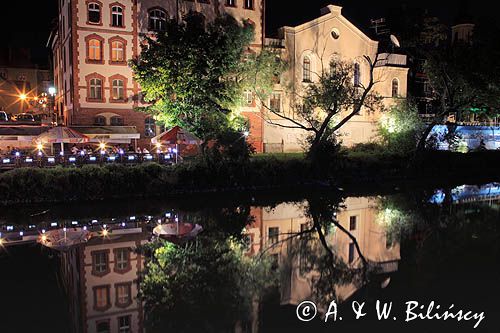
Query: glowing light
(102, 145)
(82, 153)
(52, 91)
(2, 242)
(39, 146)
(158, 145)
(18, 154)
(105, 232)
(40, 153)
(61, 153)
(246, 133)
(23, 97)
(43, 238)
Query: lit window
(306, 67)
(124, 324)
(275, 102)
(118, 92)
(122, 255)
(94, 13)
(231, 3)
(395, 88)
(149, 127)
(248, 97)
(117, 16)
(357, 75)
(101, 300)
(95, 50)
(273, 235)
(100, 262)
(117, 51)
(249, 4)
(157, 20)
(95, 89)
(123, 297)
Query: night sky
(37, 18)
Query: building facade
(95, 40)
(91, 49)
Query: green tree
(189, 73)
(400, 127)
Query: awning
(109, 134)
(20, 135)
(177, 135)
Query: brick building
(91, 48)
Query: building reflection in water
(101, 280)
(278, 230)
(101, 277)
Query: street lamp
(52, 91)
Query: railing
(43, 161)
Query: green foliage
(400, 127)
(229, 145)
(204, 286)
(189, 73)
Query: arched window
(149, 127)
(306, 70)
(94, 13)
(95, 49)
(116, 121)
(100, 120)
(117, 16)
(117, 51)
(357, 75)
(157, 20)
(118, 92)
(95, 89)
(395, 88)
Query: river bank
(95, 183)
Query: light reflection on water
(365, 237)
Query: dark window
(100, 262)
(351, 252)
(124, 325)
(100, 121)
(116, 121)
(395, 88)
(275, 102)
(231, 3)
(117, 16)
(273, 235)
(357, 75)
(306, 67)
(157, 20)
(94, 13)
(249, 4)
(103, 327)
(352, 222)
(95, 89)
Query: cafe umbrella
(177, 137)
(61, 135)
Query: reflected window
(353, 220)
(124, 324)
(123, 295)
(351, 252)
(273, 235)
(122, 259)
(100, 265)
(101, 298)
(103, 327)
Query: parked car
(25, 117)
(4, 116)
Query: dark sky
(37, 17)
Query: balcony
(391, 59)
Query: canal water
(269, 263)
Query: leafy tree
(328, 104)
(205, 286)
(189, 73)
(401, 126)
